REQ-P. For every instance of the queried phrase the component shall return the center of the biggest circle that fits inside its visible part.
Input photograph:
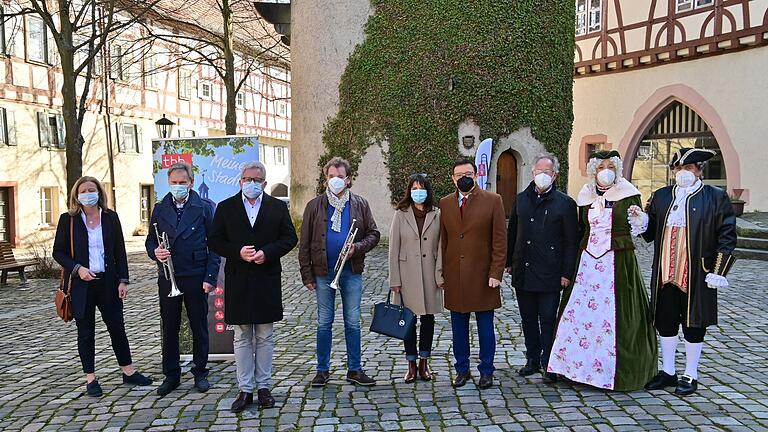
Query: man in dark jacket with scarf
(542, 241)
(253, 231)
(328, 218)
(693, 228)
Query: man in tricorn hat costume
(694, 230)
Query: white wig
(618, 168)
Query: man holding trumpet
(337, 228)
(187, 272)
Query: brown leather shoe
(461, 379)
(265, 398)
(242, 400)
(321, 379)
(424, 373)
(410, 376)
(486, 381)
(360, 378)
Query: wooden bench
(8, 262)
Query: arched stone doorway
(516, 150)
(506, 180)
(676, 126)
(279, 190)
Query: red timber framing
(667, 38)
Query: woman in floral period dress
(604, 337)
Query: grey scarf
(338, 206)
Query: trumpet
(342, 259)
(162, 241)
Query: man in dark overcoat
(543, 238)
(253, 230)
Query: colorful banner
(483, 162)
(217, 162)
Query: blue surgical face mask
(252, 190)
(419, 195)
(88, 199)
(179, 192)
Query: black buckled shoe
(531, 367)
(461, 379)
(93, 389)
(661, 380)
(137, 379)
(241, 401)
(686, 386)
(486, 381)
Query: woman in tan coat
(414, 268)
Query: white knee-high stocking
(692, 356)
(668, 348)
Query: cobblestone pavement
(41, 387)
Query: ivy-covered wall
(427, 65)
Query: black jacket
(252, 292)
(188, 239)
(115, 259)
(711, 226)
(542, 240)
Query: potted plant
(737, 202)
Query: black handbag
(393, 320)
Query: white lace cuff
(716, 281)
(638, 224)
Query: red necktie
(461, 205)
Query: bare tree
(80, 30)
(227, 35)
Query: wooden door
(506, 180)
(5, 213)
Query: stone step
(751, 254)
(751, 232)
(752, 243)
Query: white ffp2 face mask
(685, 178)
(606, 177)
(336, 184)
(543, 180)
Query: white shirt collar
(255, 203)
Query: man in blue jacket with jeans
(186, 219)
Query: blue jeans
(486, 334)
(351, 287)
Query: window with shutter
(10, 118)
(3, 48)
(37, 40)
(3, 128)
(42, 129)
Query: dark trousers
(486, 335)
(112, 315)
(538, 311)
(669, 315)
(195, 300)
(426, 336)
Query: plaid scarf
(338, 206)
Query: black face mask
(465, 184)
